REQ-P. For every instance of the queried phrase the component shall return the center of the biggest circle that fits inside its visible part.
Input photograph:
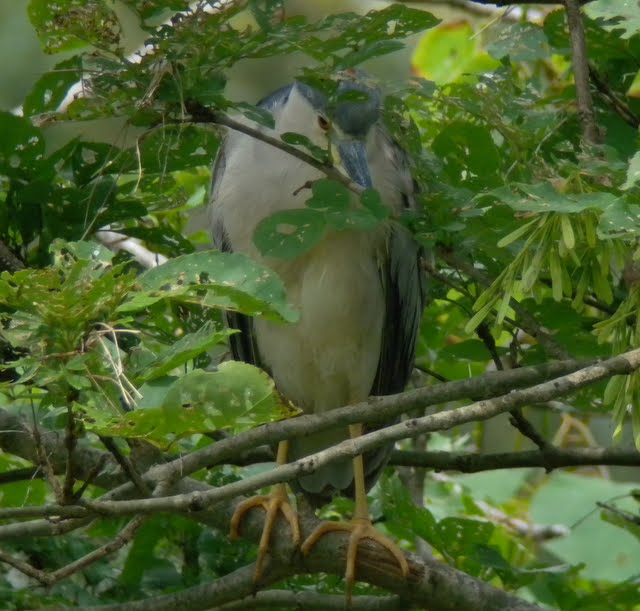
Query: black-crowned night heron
(359, 293)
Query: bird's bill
(353, 157)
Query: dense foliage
(532, 230)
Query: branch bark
(548, 459)
(590, 131)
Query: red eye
(324, 123)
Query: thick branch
(547, 459)
(478, 411)
(590, 132)
(271, 599)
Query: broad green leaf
(469, 155)
(470, 349)
(616, 15)
(371, 200)
(21, 145)
(522, 42)
(290, 233)
(175, 147)
(633, 172)
(236, 397)
(66, 25)
(618, 554)
(232, 281)
(461, 535)
(619, 219)
(328, 195)
(184, 350)
(450, 52)
(52, 87)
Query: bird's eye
(324, 123)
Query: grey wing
(400, 274)
(243, 344)
(403, 283)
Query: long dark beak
(354, 159)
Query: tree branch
(548, 459)
(271, 599)
(478, 411)
(617, 103)
(590, 131)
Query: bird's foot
(273, 504)
(358, 529)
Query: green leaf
(290, 233)
(469, 155)
(52, 87)
(232, 281)
(618, 554)
(371, 200)
(517, 233)
(328, 195)
(236, 397)
(66, 25)
(185, 350)
(619, 219)
(521, 42)
(616, 15)
(633, 172)
(470, 349)
(450, 52)
(175, 147)
(300, 140)
(21, 145)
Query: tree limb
(478, 411)
(548, 459)
(270, 599)
(590, 131)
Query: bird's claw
(273, 504)
(358, 529)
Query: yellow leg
(360, 526)
(274, 503)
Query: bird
(360, 294)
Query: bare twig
(534, 532)
(70, 444)
(518, 420)
(617, 103)
(126, 465)
(43, 461)
(590, 131)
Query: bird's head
(340, 123)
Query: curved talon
(274, 503)
(358, 529)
